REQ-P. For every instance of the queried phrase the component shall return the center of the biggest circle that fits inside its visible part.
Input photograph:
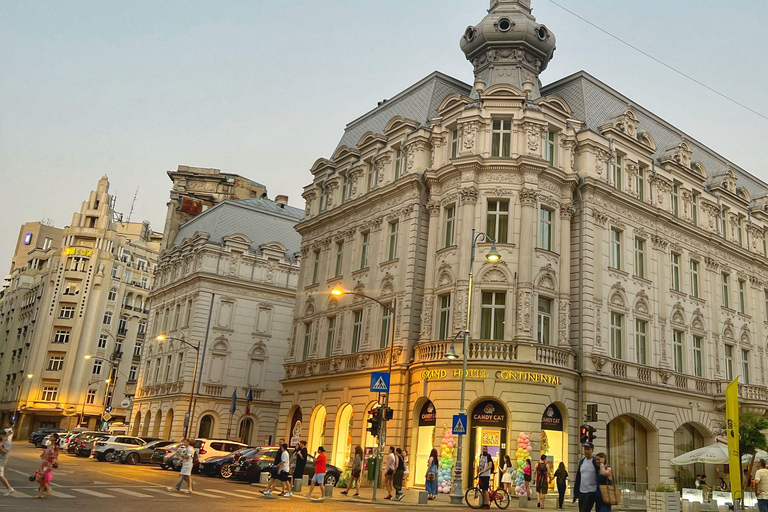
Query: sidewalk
(442, 500)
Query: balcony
(499, 351)
(136, 358)
(140, 335)
(122, 332)
(752, 398)
(116, 356)
(341, 364)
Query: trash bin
(371, 468)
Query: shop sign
(509, 375)
(552, 419)
(78, 251)
(428, 415)
(489, 413)
(296, 433)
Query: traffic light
(374, 421)
(591, 434)
(584, 434)
(388, 414)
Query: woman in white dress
(508, 478)
(187, 454)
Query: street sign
(459, 424)
(106, 416)
(108, 409)
(125, 403)
(186, 419)
(104, 425)
(380, 382)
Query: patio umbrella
(759, 454)
(713, 454)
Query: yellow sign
(491, 437)
(78, 251)
(511, 375)
(732, 431)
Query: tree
(751, 437)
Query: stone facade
(231, 293)
(633, 272)
(83, 295)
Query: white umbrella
(713, 454)
(759, 454)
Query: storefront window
(488, 427)
(628, 450)
(296, 425)
(343, 444)
(317, 429)
(554, 438)
(425, 441)
(687, 438)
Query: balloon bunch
(445, 466)
(522, 454)
(544, 443)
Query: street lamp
(82, 412)
(18, 396)
(163, 337)
(111, 383)
(493, 256)
(338, 292)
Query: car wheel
(331, 479)
(132, 459)
(109, 456)
(163, 466)
(226, 471)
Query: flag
(732, 431)
(249, 400)
(233, 407)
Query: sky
(264, 88)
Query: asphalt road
(87, 485)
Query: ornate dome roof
(508, 46)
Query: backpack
(400, 463)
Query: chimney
(282, 200)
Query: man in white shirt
(284, 471)
(5, 449)
(761, 486)
(585, 489)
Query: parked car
(38, 436)
(137, 454)
(223, 465)
(104, 449)
(64, 440)
(207, 448)
(250, 467)
(84, 443)
(163, 455)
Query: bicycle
(474, 496)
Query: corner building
(633, 272)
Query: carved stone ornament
(468, 195)
(600, 217)
(426, 317)
(433, 207)
(528, 197)
(533, 136)
(567, 211)
(599, 362)
(665, 375)
(601, 159)
(468, 134)
(524, 310)
(494, 275)
(659, 243)
(641, 302)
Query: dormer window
(346, 189)
(616, 171)
(454, 143)
(373, 178)
(550, 145)
(399, 162)
(675, 200)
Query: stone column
(465, 223)
(566, 214)
(525, 268)
(660, 246)
(427, 311)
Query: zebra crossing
(137, 493)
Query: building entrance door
(488, 427)
(425, 441)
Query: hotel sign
(504, 375)
(78, 251)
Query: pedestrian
(301, 461)
(561, 479)
(585, 488)
(542, 481)
(527, 475)
(397, 478)
(604, 477)
(430, 483)
(761, 486)
(357, 469)
(50, 461)
(484, 472)
(284, 472)
(697, 481)
(319, 477)
(389, 472)
(508, 477)
(273, 472)
(722, 486)
(186, 452)
(407, 474)
(5, 449)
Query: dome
(508, 45)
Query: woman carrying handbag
(430, 484)
(607, 493)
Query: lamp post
(493, 256)
(338, 292)
(111, 383)
(18, 396)
(82, 412)
(162, 337)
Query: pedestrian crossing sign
(459, 424)
(380, 382)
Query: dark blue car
(222, 466)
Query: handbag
(610, 494)
(430, 477)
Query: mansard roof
(594, 103)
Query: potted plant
(663, 497)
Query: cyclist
(484, 472)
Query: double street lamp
(493, 256)
(18, 397)
(338, 292)
(111, 383)
(188, 422)
(82, 412)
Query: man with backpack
(585, 489)
(485, 469)
(397, 478)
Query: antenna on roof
(130, 212)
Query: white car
(104, 449)
(208, 448)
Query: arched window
(112, 294)
(108, 318)
(142, 327)
(206, 426)
(246, 431)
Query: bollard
(297, 485)
(423, 497)
(263, 477)
(695, 506)
(523, 501)
(305, 480)
(686, 506)
(328, 491)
